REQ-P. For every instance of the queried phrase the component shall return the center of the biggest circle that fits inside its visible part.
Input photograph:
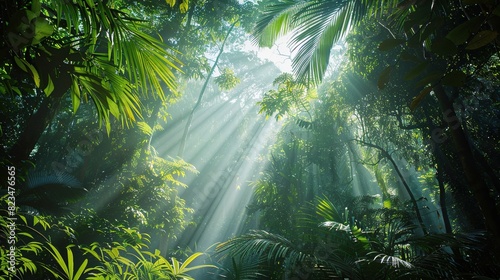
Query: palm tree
(315, 26)
(86, 48)
(344, 249)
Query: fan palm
(315, 25)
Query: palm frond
(247, 269)
(393, 261)
(315, 25)
(259, 242)
(116, 62)
(277, 21)
(326, 210)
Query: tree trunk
(477, 184)
(38, 122)
(407, 187)
(442, 200)
(190, 119)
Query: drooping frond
(315, 26)
(393, 261)
(262, 243)
(277, 21)
(116, 62)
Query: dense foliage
(130, 140)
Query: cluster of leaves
(95, 51)
(388, 249)
(40, 252)
(290, 98)
(455, 44)
(227, 79)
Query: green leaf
(81, 270)
(390, 44)
(430, 79)
(416, 101)
(59, 258)
(50, 86)
(184, 6)
(416, 70)
(170, 2)
(431, 28)
(28, 68)
(20, 64)
(462, 32)
(444, 47)
(482, 39)
(145, 128)
(75, 95)
(384, 77)
(71, 263)
(113, 108)
(454, 78)
(42, 29)
(36, 7)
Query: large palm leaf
(315, 25)
(107, 55)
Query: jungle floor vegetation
(164, 140)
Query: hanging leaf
(416, 71)
(20, 64)
(416, 101)
(444, 47)
(430, 79)
(28, 68)
(454, 78)
(170, 2)
(145, 128)
(50, 86)
(184, 6)
(390, 44)
(431, 28)
(384, 77)
(462, 32)
(42, 29)
(75, 95)
(481, 39)
(36, 6)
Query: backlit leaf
(27, 67)
(462, 32)
(170, 2)
(75, 95)
(50, 86)
(482, 39)
(416, 101)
